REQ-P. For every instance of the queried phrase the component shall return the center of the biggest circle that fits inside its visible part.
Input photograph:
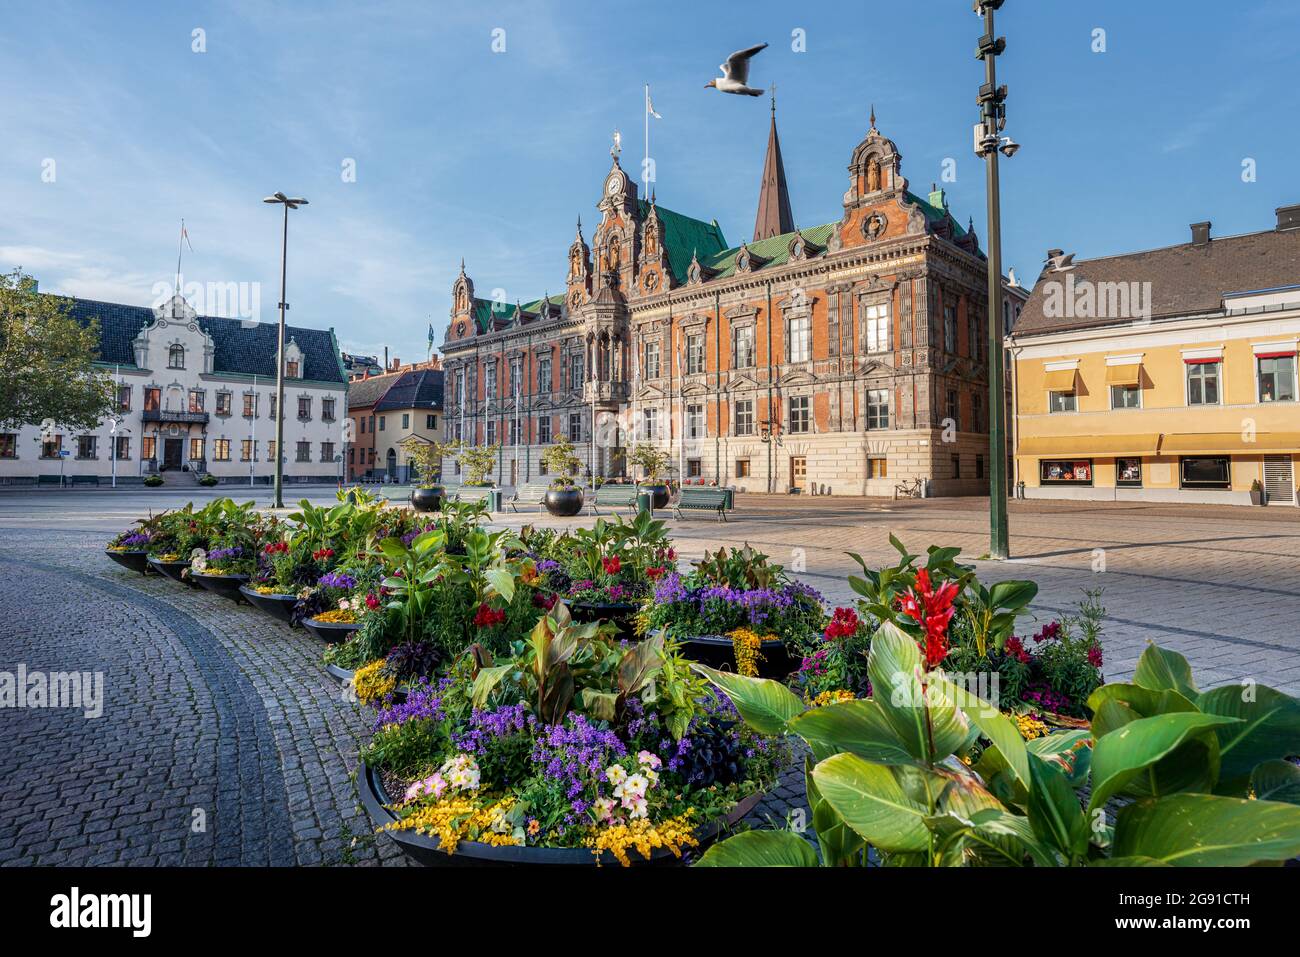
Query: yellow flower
(832, 697)
(745, 645)
(460, 817)
(674, 834)
(343, 616)
(370, 682)
(1029, 726)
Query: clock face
(613, 185)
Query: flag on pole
(649, 104)
(431, 338)
(186, 236)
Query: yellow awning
(1124, 375)
(1095, 446)
(1229, 443)
(1060, 380)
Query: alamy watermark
(82, 690)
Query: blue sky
(460, 151)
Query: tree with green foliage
(426, 458)
(650, 459)
(477, 461)
(559, 458)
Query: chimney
(1201, 234)
(1288, 217)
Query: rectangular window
(1203, 381)
(1276, 377)
(798, 346)
(799, 413)
(327, 451)
(51, 445)
(491, 432)
(544, 374)
(693, 468)
(275, 406)
(576, 370)
(406, 421)
(950, 329)
(490, 379)
(977, 412)
(8, 445)
(1128, 473)
(122, 448)
(514, 432)
(979, 466)
(877, 408)
(695, 422)
(430, 421)
(953, 408)
(304, 407)
(152, 399)
(1061, 402)
(575, 426)
(221, 450)
(196, 400)
(291, 369)
(877, 328)
(652, 360)
(327, 410)
(250, 405)
(247, 448)
(270, 450)
(176, 357)
(1205, 471)
(148, 447)
(742, 468)
(196, 450)
(1065, 472)
(694, 354)
(833, 325)
(86, 447)
(973, 334)
(304, 451)
(224, 400)
(124, 398)
(382, 422)
(744, 416)
(1125, 397)
(650, 424)
(742, 347)
(956, 466)
(544, 430)
(877, 468)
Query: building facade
(843, 358)
(1167, 375)
(196, 395)
(386, 411)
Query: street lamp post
(770, 435)
(279, 364)
(988, 143)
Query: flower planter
(659, 493)
(718, 652)
(427, 499)
(279, 607)
(621, 613)
(425, 850)
(342, 675)
(330, 632)
(564, 502)
(133, 559)
(172, 570)
(228, 586)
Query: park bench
(716, 500)
(489, 495)
(614, 496)
(532, 493)
(76, 480)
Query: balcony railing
(167, 415)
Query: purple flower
(339, 580)
(422, 701)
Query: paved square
(222, 740)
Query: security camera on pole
(989, 141)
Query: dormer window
(176, 357)
(291, 369)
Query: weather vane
(618, 145)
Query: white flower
(652, 776)
(604, 809)
(461, 773)
(648, 759)
(616, 774)
(343, 604)
(636, 807)
(634, 787)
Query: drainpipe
(770, 425)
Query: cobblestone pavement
(213, 707)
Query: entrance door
(392, 465)
(798, 472)
(171, 454)
(1279, 481)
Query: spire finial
(774, 98)
(873, 117)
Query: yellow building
(1167, 375)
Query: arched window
(176, 357)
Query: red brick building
(841, 358)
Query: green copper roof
(775, 249)
(684, 237)
(485, 310)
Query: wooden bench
(491, 496)
(613, 496)
(716, 500)
(83, 480)
(532, 493)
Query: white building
(196, 395)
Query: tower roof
(774, 216)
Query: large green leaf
(1054, 810)
(1071, 751)
(858, 727)
(760, 849)
(1159, 669)
(1207, 830)
(870, 800)
(995, 726)
(1276, 781)
(1269, 728)
(840, 844)
(765, 705)
(931, 727)
(1136, 701)
(1012, 594)
(502, 581)
(1121, 755)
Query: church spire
(774, 216)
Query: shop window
(1128, 473)
(1065, 471)
(1208, 471)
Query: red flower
(1016, 649)
(323, 553)
(932, 609)
(612, 565)
(486, 616)
(843, 624)
(1094, 656)
(1050, 632)
(544, 601)
(654, 571)
(276, 547)
(371, 601)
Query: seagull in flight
(735, 73)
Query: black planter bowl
(330, 632)
(279, 607)
(563, 502)
(659, 493)
(132, 559)
(718, 653)
(621, 613)
(342, 675)
(172, 570)
(426, 850)
(228, 586)
(427, 499)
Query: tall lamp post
(279, 363)
(988, 143)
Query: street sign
(64, 453)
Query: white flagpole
(645, 165)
